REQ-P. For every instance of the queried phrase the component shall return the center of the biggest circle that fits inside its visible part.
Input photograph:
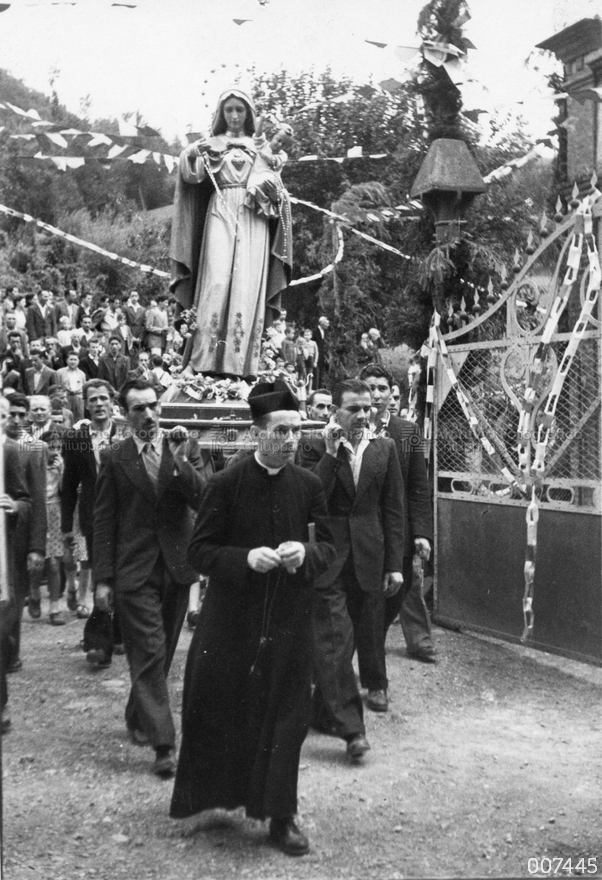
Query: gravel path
(487, 760)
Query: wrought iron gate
(521, 367)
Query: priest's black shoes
(424, 655)
(377, 701)
(165, 762)
(357, 746)
(287, 836)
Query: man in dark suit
(81, 454)
(38, 378)
(30, 539)
(84, 309)
(319, 337)
(364, 490)
(15, 503)
(90, 362)
(143, 371)
(408, 602)
(147, 485)
(135, 316)
(67, 307)
(10, 326)
(114, 367)
(40, 319)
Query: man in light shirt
(81, 453)
(41, 416)
(364, 489)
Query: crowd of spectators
(52, 345)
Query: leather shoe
(82, 612)
(138, 737)
(6, 722)
(98, 658)
(165, 762)
(287, 836)
(423, 655)
(34, 608)
(377, 701)
(15, 665)
(57, 618)
(357, 746)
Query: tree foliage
(110, 205)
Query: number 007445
(545, 865)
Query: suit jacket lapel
(88, 451)
(370, 461)
(87, 448)
(133, 466)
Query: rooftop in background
(578, 39)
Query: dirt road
(488, 760)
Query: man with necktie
(148, 486)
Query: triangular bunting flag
(170, 162)
(115, 150)
(140, 157)
(100, 139)
(57, 139)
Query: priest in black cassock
(247, 687)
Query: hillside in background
(124, 207)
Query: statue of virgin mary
(229, 262)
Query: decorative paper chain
(529, 477)
(149, 269)
(91, 247)
(536, 470)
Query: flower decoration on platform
(220, 391)
(188, 316)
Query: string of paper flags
(143, 267)
(118, 147)
(26, 3)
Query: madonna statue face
(235, 112)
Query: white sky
(158, 58)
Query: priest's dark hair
(351, 386)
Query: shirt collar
(97, 432)
(156, 442)
(383, 422)
(271, 471)
(367, 435)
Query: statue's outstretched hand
(199, 147)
